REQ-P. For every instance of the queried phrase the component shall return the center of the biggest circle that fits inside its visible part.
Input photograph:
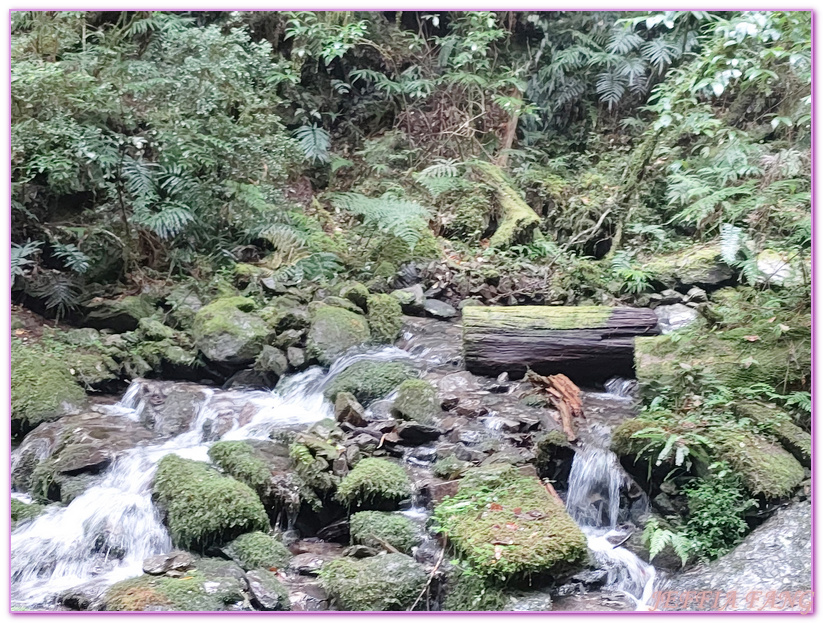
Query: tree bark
(588, 344)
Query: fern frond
(22, 256)
(611, 87)
(315, 143)
(623, 40)
(58, 291)
(731, 238)
(170, 220)
(73, 258)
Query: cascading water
(104, 535)
(593, 500)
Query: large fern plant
(401, 218)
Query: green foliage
(21, 511)
(656, 538)
(257, 550)
(717, 507)
(375, 529)
(374, 482)
(406, 220)
(449, 467)
(202, 507)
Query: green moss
(224, 330)
(379, 583)
(397, 252)
(416, 400)
(534, 317)
(385, 318)
(509, 527)
(467, 592)
(20, 511)
(765, 468)
(313, 470)
(41, 387)
(241, 461)
(449, 467)
(685, 265)
(216, 316)
(385, 270)
(333, 331)
(355, 292)
(256, 550)
(518, 221)
(623, 441)
(471, 216)
(374, 481)
(774, 421)
(148, 592)
(373, 529)
(202, 507)
(369, 380)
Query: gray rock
(296, 357)
(227, 334)
(272, 360)
(777, 556)
(673, 317)
(266, 591)
(411, 299)
(307, 564)
(696, 295)
(413, 433)
(347, 409)
(163, 563)
(439, 309)
(87, 596)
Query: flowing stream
(105, 533)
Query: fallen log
(587, 344)
(517, 222)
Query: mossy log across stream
(588, 344)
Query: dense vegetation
(502, 158)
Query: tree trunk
(588, 344)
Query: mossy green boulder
(416, 400)
(202, 506)
(694, 265)
(369, 380)
(42, 388)
(242, 462)
(385, 318)
(766, 469)
(380, 583)
(467, 592)
(355, 292)
(226, 331)
(257, 550)
(773, 420)
(213, 585)
(22, 512)
(120, 315)
(375, 483)
(507, 526)
(333, 331)
(376, 529)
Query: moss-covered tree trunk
(517, 221)
(588, 344)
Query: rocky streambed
(337, 490)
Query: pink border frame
(814, 370)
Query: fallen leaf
(512, 526)
(518, 510)
(772, 319)
(495, 507)
(752, 338)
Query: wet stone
(163, 563)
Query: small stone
(163, 563)
(347, 409)
(296, 357)
(307, 564)
(439, 309)
(272, 360)
(411, 299)
(696, 295)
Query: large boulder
(506, 525)
(417, 401)
(385, 582)
(700, 266)
(376, 529)
(256, 550)
(202, 507)
(120, 315)
(334, 331)
(226, 332)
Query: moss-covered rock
(212, 586)
(21, 512)
(333, 331)
(385, 582)
(396, 251)
(450, 467)
(256, 550)
(517, 222)
(506, 525)
(369, 380)
(120, 315)
(416, 400)
(694, 265)
(242, 462)
(42, 388)
(225, 331)
(765, 468)
(773, 420)
(467, 592)
(385, 318)
(471, 215)
(355, 292)
(202, 507)
(375, 529)
(375, 483)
